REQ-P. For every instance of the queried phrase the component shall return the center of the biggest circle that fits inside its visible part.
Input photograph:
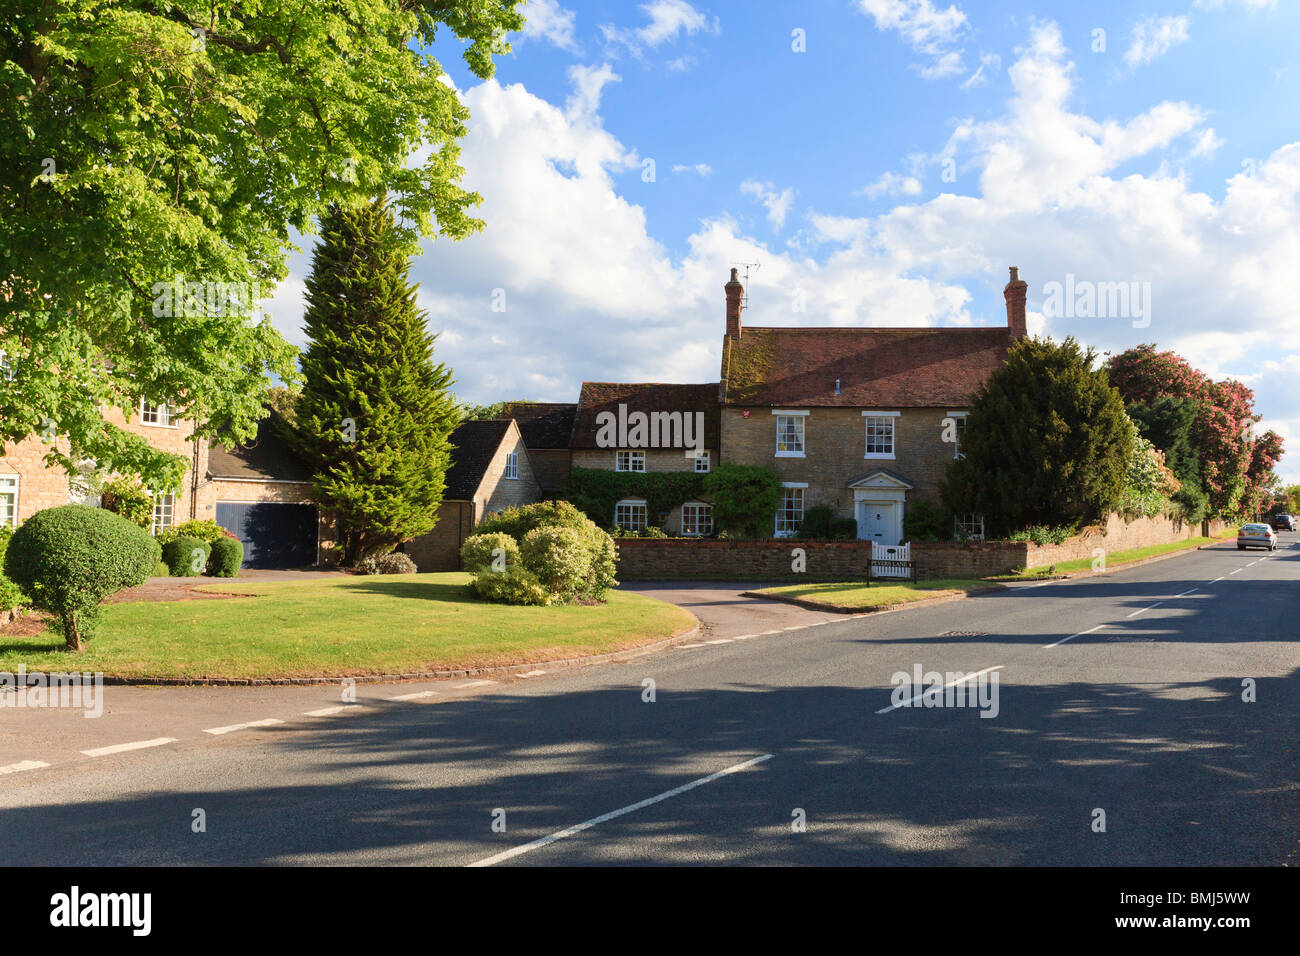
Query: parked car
(1282, 522)
(1256, 536)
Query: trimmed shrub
(127, 498)
(160, 570)
(843, 529)
(816, 524)
(11, 596)
(186, 557)
(227, 555)
(515, 585)
(69, 559)
(205, 529)
(476, 553)
(577, 567)
(395, 563)
(558, 558)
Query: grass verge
(344, 626)
(858, 596)
(1113, 560)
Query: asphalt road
(1141, 718)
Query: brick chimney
(734, 293)
(1014, 293)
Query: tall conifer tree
(376, 411)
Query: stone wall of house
(496, 492)
(1115, 535)
(656, 459)
(439, 550)
(835, 441)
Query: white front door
(876, 521)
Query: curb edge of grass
(878, 609)
(635, 650)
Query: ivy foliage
(595, 492)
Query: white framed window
(8, 501)
(880, 434)
(164, 511)
(959, 428)
(512, 465)
(697, 519)
(155, 414)
(789, 515)
(702, 463)
(629, 514)
(6, 368)
(790, 433)
(969, 527)
(629, 461)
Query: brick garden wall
(659, 558)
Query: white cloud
(776, 203)
(988, 61)
(588, 84)
(930, 31)
(591, 294)
(1207, 144)
(1152, 38)
(699, 169)
(893, 184)
(547, 20)
(668, 20)
(1251, 5)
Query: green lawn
(857, 596)
(344, 626)
(1113, 560)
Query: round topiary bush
(395, 563)
(515, 585)
(573, 560)
(479, 551)
(226, 557)
(186, 557)
(69, 559)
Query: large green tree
(375, 412)
(158, 155)
(1047, 441)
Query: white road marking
(325, 711)
(1216, 580)
(218, 731)
(930, 690)
(604, 817)
(1187, 592)
(420, 695)
(23, 765)
(533, 674)
(745, 637)
(1073, 636)
(776, 630)
(1141, 609)
(134, 745)
(684, 646)
(1238, 571)
(721, 640)
(474, 683)
(797, 627)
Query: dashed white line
(532, 674)
(684, 646)
(721, 640)
(23, 765)
(1147, 608)
(1187, 592)
(419, 695)
(331, 711)
(1238, 571)
(218, 731)
(473, 683)
(123, 748)
(952, 683)
(595, 821)
(1073, 636)
(1216, 580)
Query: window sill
(877, 456)
(790, 454)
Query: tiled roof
(645, 397)
(543, 424)
(268, 457)
(877, 368)
(474, 445)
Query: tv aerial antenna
(744, 301)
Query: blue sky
(1161, 151)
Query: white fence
(891, 561)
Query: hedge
(226, 557)
(186, 557)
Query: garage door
(274, 535)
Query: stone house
(491, 470)
(650, 427)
